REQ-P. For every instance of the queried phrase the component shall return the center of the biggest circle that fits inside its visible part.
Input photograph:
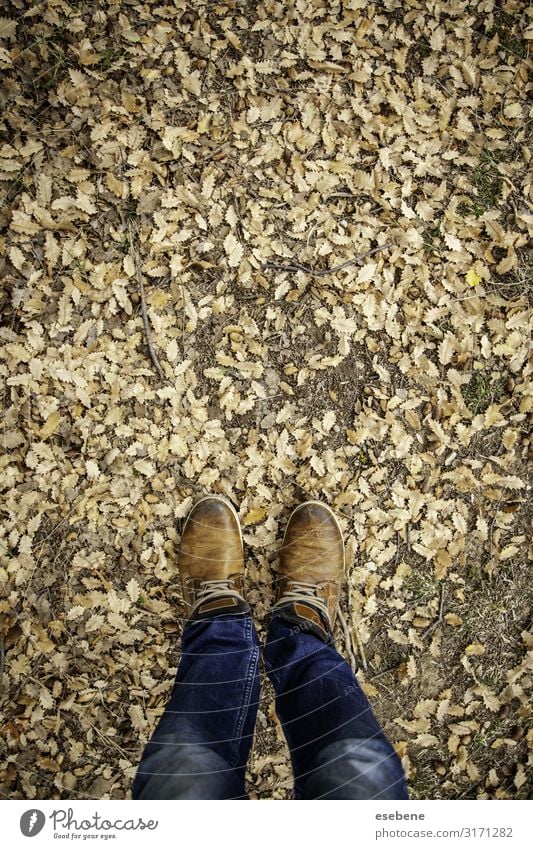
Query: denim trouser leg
(201, 745)
(338, 748)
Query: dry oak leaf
(329, 420)
(520, 777)
(50, 426)
(133, 589)
(256, 514)
(447, 349)
(91, 469)
(234, 250)
(8, 28)
(144, 467)
(116, 186)
(138, 719)
(475, 649)
(172, 351)
(17, 257)
(76, 611)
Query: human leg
(338, 748)
(200, 747)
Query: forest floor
(229, 157)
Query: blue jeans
(201, 745)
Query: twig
(347, 638)
(104, 737)
(438, 620)
(308, 270)
(384, 671)
(2, 662)
(238, 214)
(215, 151)
(278, 267)
(182, 322)
(360, 646)
(147, 331)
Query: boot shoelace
(212, 590)
(304, 593)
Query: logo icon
(32, 822)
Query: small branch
(438, 620)
(214, 153)
(347, 638)
(182, 322)
(146, 322)
(2, 662)
(385, 671)
(360, 647)
(104, 737)
(278, 267)
(308, 270)
(356, 259)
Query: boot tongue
(309, 613)
(221, 605)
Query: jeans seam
(247, 692)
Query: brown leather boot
(311, 569)
(211, 559)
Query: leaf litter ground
(204, 147)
